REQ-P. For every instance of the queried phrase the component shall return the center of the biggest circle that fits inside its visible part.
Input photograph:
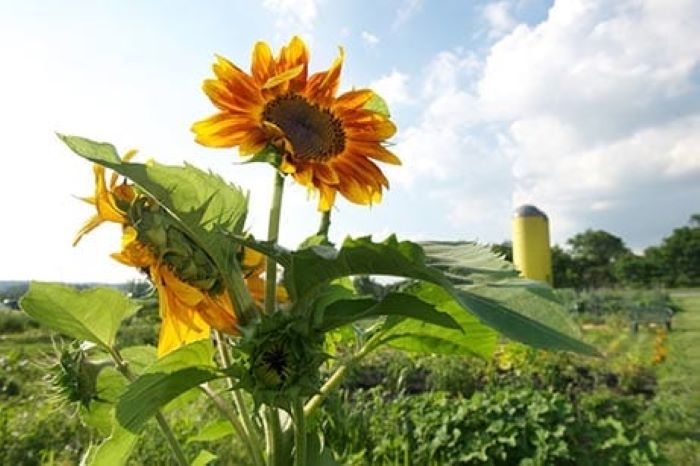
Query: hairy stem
(273, 229)
(273, 437)
(123, 368)
(299, 432)
(251, 431)
(239, 427)
(325, 224)
(337, 377)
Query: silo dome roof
(528, 210)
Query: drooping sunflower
(191, 297)
(327, 143)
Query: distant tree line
(597, 259)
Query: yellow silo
(531, 252)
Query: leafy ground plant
(231, 331)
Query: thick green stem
(238, 426)
(273, 228)
(252, 433)
(299, 432)
(325, 224)
(273, 437)
(123, 368)
(337, 376)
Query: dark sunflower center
(315, 133)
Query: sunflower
(327, 143)
(190, 302)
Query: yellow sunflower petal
(293, 55)
(326, 197)
(174, 332)
(354, 99)
(375, 151)
(238, 82)
(217, 311)
(263, 65)
(322, 86)
(92, 223)
(284, 77)
(104, 201)
(325, 173)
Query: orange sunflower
(188, 310)
(327, 143)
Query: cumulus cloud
(499, 18)
(593, 115)
(393, 87)
(369, 38)
(601, 103)
(293, 15)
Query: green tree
(679, 254)
(637, 271)
(504, 249)
(594, 253)
(564, 269)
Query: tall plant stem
(251, 432)
(339, 374)
(273, 437)
(273, 228)
(325, 224)
(123, 368)
(299, 432)
(230, 414)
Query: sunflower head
(326, 142)
(279, 360)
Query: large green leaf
(205, 206)
(308, 269)
(346, 311)
(185, 368)
(510, 308)
(472, 337)
(114, 450)
(467, 262)
(529, 321)
(94, 314)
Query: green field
(678, 402)
(35, 429)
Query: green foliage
(464, 274)
(93, 315)
(12, 321)
(600, 259)
(205, 207)
(170, 376)
(497, 427)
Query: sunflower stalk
(123, 369)
(325, 224)
(273, 428)
(273, 437)
(299, 432)
(339, 374)
(230, 414)
(272, 237)
(250, 432)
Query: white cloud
(499, 18)
(601, 103)
(593, 115)
(296, 16)
(369, 38)
(393, 87)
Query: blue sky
(589, 109)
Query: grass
(675, 416)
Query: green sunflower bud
(281, 360)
